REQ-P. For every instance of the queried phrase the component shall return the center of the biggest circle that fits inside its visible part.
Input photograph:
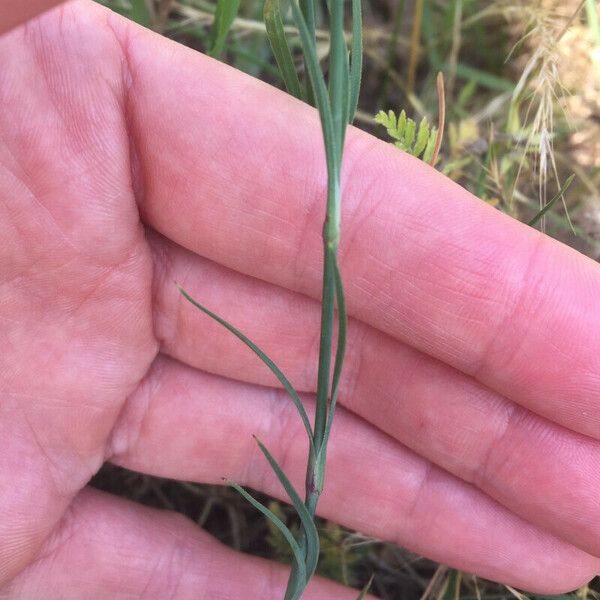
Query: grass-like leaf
(552, 202)
(272, 366)
(281, 49)
(287, 534)
(341, 347)
(310, 529)
(317, 80)
(224, 17)
(338, 73)
(356, 58)
(337, 370)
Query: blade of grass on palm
(337, 369)
(281, 49)
(310, 529)
(272, 366)
(356, 62)
(341, 346)
(309, 49)
(287, 534)
(325, 346)
(338, 72)
(224, 17)
(552, 202)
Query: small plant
(423, 141)
(336, 101)
(419, 142)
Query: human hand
(470, 423)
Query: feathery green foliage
(419, 142)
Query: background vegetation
(522, 112)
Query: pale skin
(469, 429)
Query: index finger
(234, 170)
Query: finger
(108, 548)
(442, 414)
(190, 425)
(15, 12)
(243, 184)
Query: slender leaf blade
(337, 368)
(225, 15)
(287, 534)
(308, 524)
(356, 61)
(338, 72)
(317, 80)
(552, 202)
(270, 364)
(281, 49)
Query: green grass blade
(366, 589)
(281, 49)
(338, 72)
(287, 534)
(272, 366)
(309, 11)
(325, 346)
(224, 17)
(310, 529)
(552, 202)
(140, 13)
(341, 346)
(319, 88)
(337, 371)
(356, 62)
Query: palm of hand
(101, 362)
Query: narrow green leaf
(320, 89)
(281, 49)
(272, 366)
(337, 369)
(422, 137)
(366, 589)
(338, 72)
(287, 534)
(552, 202)
(341, 346)
(310, 529)
(309, 10)
(356, 63)
(225, 15)
(325, 347)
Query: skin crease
(469, 424)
